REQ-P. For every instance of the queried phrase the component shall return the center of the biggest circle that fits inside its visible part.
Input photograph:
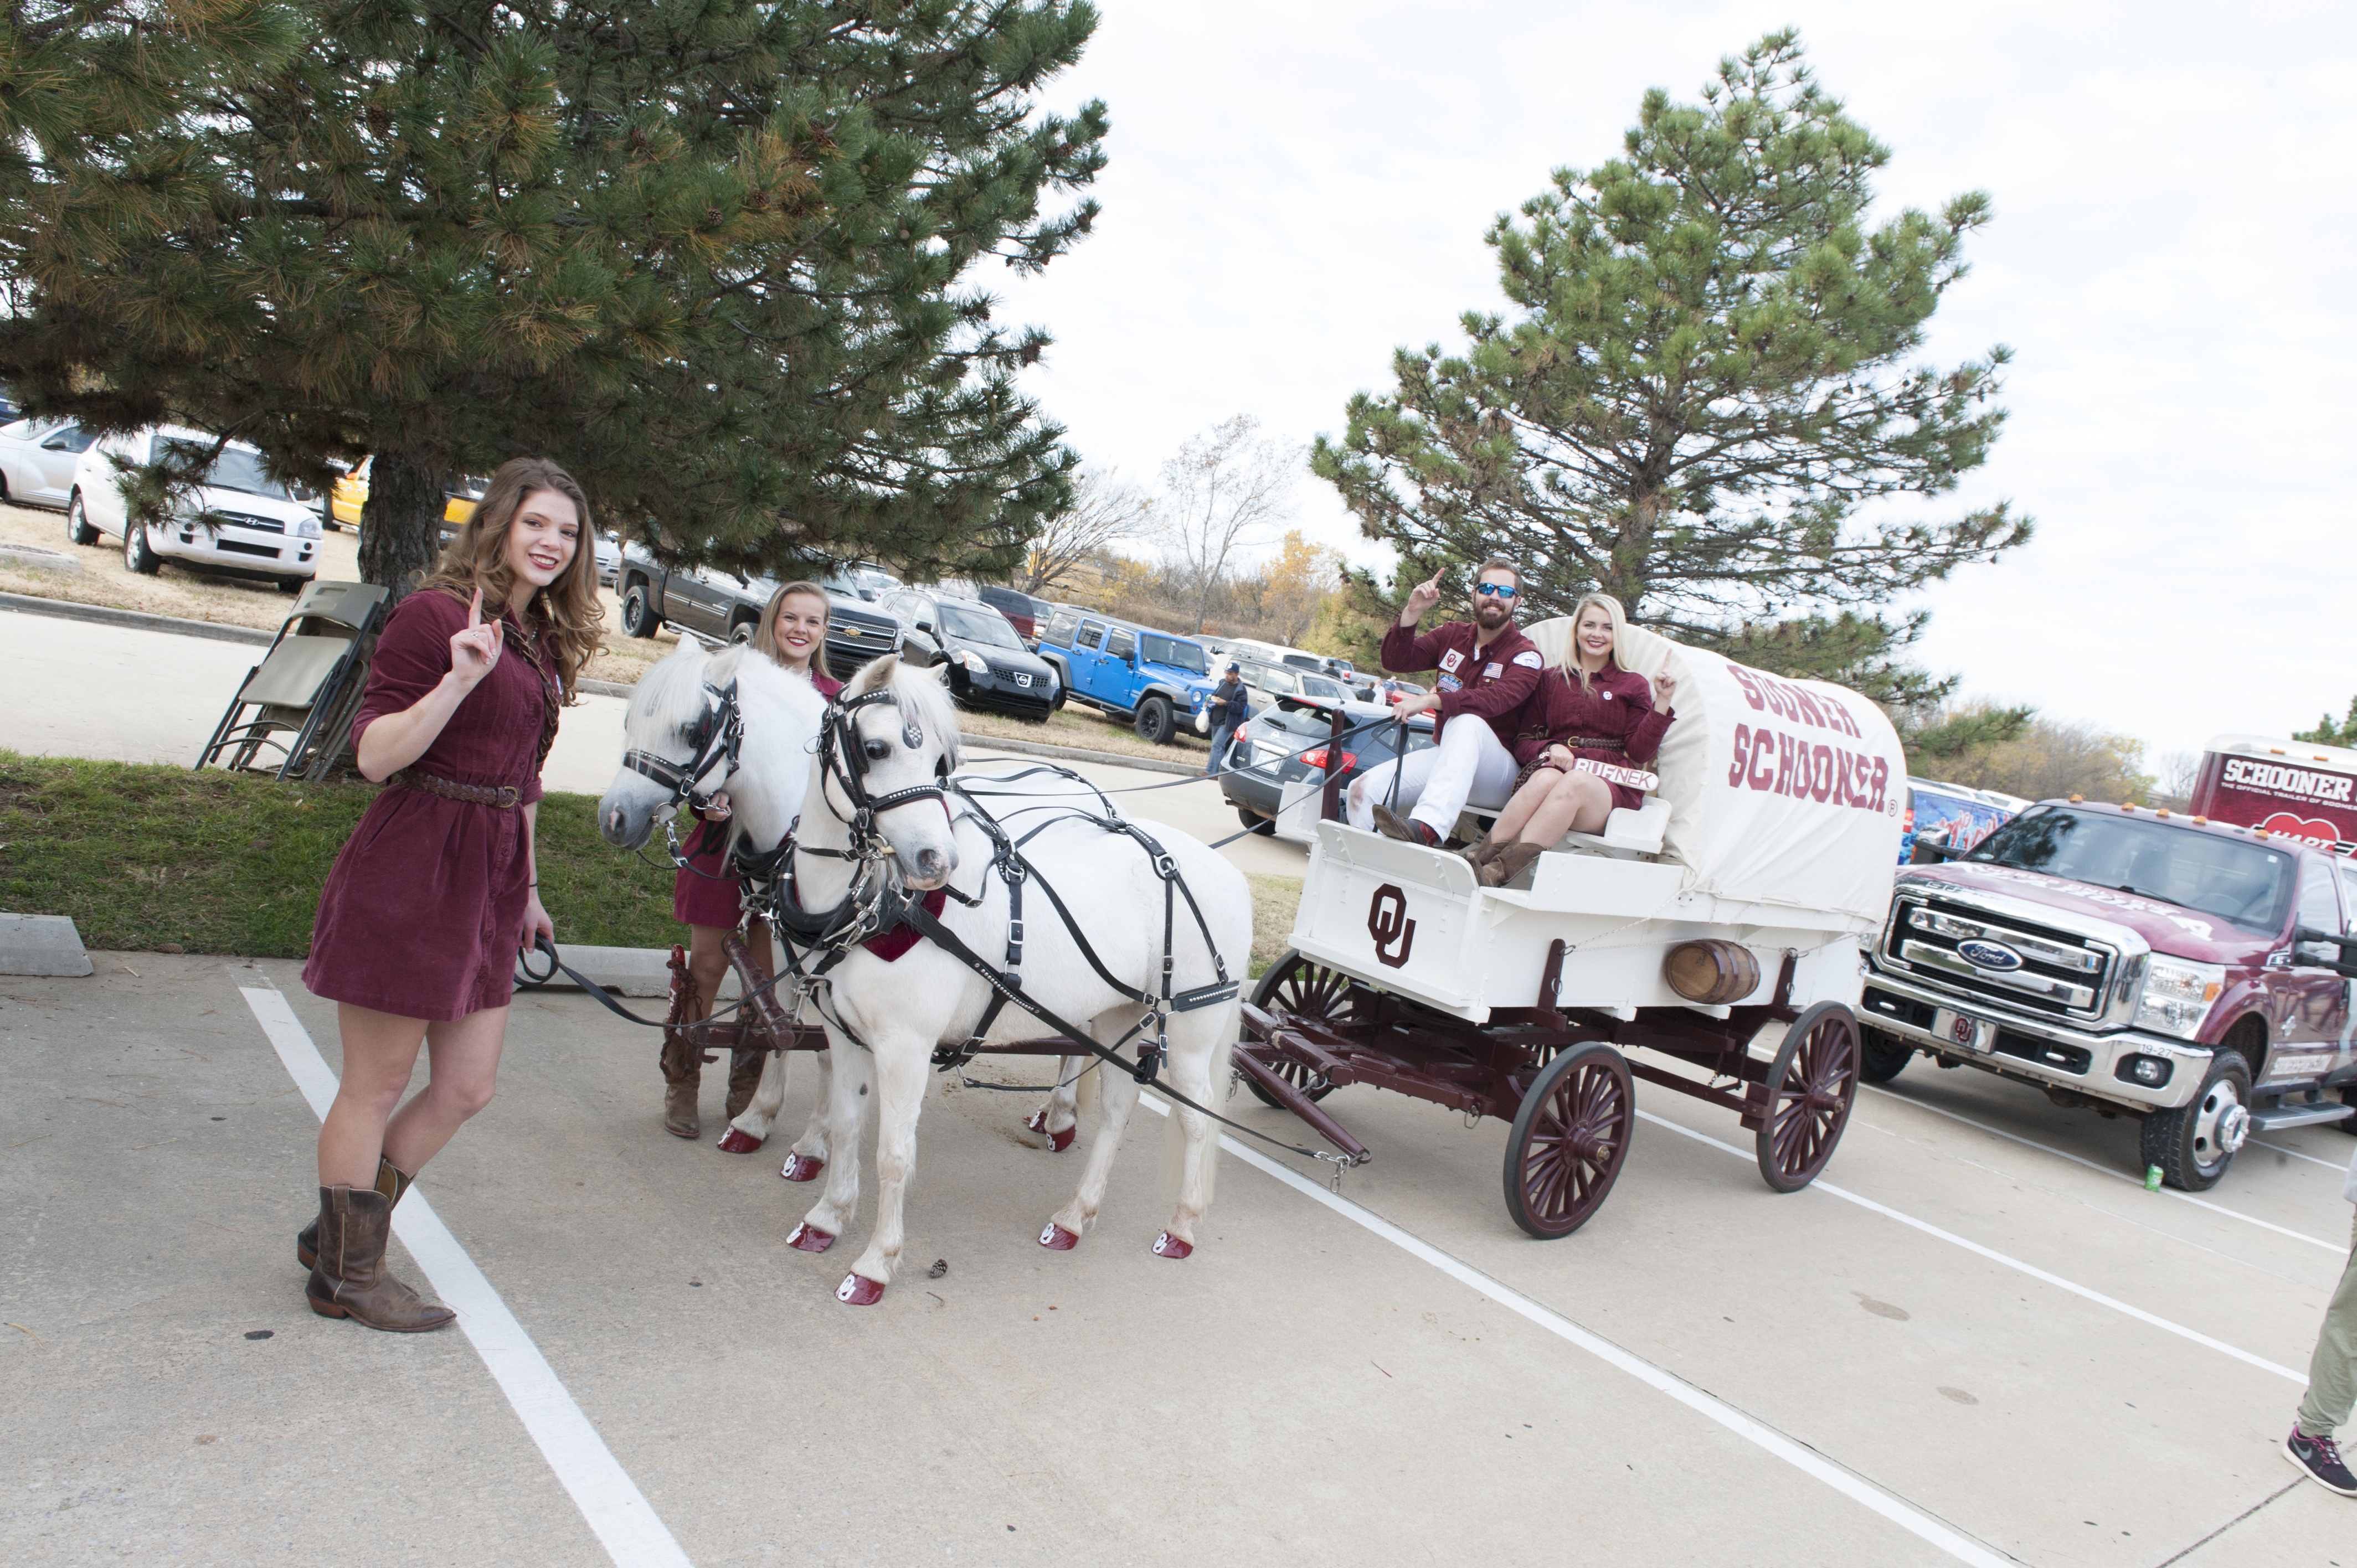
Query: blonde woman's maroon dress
(707, 894)
(422, 913)
(1616, 721)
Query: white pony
(674, 720)
(901, 1009)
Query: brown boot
(1407, 830)
(1481, 854)
(744, 1078)
(1508, 864)
(679, 1106)
(350, 1279)
(389, 1181)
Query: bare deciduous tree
(1226, 492)
(1105, 512)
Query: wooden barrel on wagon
(1712, 971)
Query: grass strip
(143, 857)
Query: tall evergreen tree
(1701, 389)
(716, 256)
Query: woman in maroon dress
(792, 630)
(434, 894)
(1588, 706)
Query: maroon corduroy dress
(422, 913)
(1619, 709)
(712, 898)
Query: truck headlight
(975, 663)
(2177, 995)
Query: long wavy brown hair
(568, 609)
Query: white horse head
(675, 726)
(906, 739)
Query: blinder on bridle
(715, 736)
(844, 758)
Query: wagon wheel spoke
(1570, 1137)
(1813, 1087)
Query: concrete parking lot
(1976, 1339)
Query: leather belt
(506, 797)
(1594, 742)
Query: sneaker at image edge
(2320, 1459)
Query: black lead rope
(616, 1008)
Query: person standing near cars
(1229, 706)
(2331, 1376)
(1487, 671)
(705, 896)
(434, 894)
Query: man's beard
(1490, 615)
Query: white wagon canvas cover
(1785, 800)
(1787, 793)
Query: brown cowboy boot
(1481, 854)
(1508, 863)
(744, 1078)
(679, 1105)
(390, 1182)
(350, 1279)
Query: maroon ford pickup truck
(2191, 973)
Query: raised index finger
(474, 610)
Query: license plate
(1970, 1033)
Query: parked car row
(238, 520)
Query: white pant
(1469, 765)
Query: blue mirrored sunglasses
(1503, 590)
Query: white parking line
(610, 1501)
(1992, 1255)
(1800, 1456)
(2335, 1247)
(2295, 1154)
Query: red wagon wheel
(1811, 1087)
(1569, 1140)
(1294, 984)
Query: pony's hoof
(801, 1168)
(1057, 1142)
(1169, 1246)
(738, 1142)
(1056, 1239)
(809, 1238)
(858, 1290)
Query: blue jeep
(1155, 680)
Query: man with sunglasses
(1487, 670)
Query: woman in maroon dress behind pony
(1587, 707)
(704, 898)
(434, 894)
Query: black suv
(984, 662)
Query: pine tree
(1701, 388)
(715, 258)
(2327, 733)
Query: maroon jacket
(1619, 712)
(1491, 688)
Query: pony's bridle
(844, 763)
(716, 736)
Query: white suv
(251, 524)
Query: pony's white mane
(672, 693)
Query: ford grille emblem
(1988, 955)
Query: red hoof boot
(858, 1290)
(1038, 1122)
(1169, 1246)
(809, 1238)
(801, 1168)
(1057, 1142)
(733, 1141)
(1056, 1239)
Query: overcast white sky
(1298, 188)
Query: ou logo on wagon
(1387, 923)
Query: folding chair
(299, 701)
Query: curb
(138, 621)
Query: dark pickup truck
(721, 607)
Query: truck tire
(2346, 1123)
(78, 528)
(1154, 722)
(1880, 1056)
(639, 617)
(742, 631)
(2194, 1143)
